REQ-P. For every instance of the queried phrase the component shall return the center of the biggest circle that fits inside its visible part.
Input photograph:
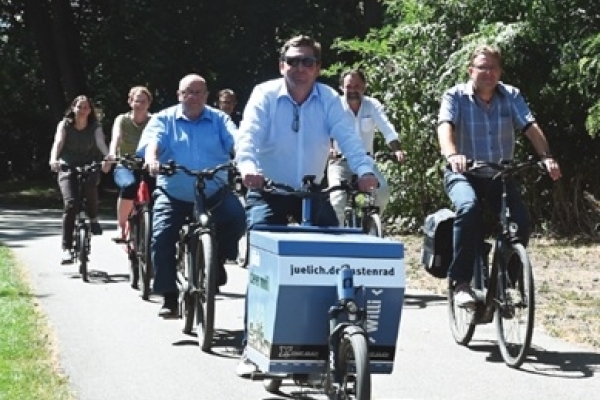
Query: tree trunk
(38, 21)
(67, 42)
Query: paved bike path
(113, 346)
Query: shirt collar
(207, 113)
(283, 91)
(471, 92)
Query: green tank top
(80, 146)
(130, 134)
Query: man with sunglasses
(477, 121)
(285, 134)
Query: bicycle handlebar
(87, 168)
(131, 162)
(208, 173)
(504, 168)
(309, 190)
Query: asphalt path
(112, 345)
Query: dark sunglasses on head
(295, 61)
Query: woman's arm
(59, 141)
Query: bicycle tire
(189, 283)
(144, 253)
(515, 312)
(353, 364)
(462, 324)
(371, 225)
(82, 247)
(132, 243)
(206, 257)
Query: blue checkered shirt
(485, 133)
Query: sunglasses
(295, 61)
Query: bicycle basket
(437, 251)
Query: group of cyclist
(291, 127)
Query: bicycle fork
(346, 305)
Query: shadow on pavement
(553, 364)
(423, 300)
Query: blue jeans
(272, 209)
(465, 192)
(269, 209)
(168, 216)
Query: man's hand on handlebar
(253, 181)
(153, 166)
(552, 168)
(457, 162)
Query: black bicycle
(82, 235)
(197, 253)
(363, 213)
(505, 292)
(139, 228)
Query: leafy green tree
(550, 52)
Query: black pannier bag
(437, 249)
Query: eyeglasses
(486, 68)
(296, 120)
(188, 92)
(295, 61)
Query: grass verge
(28, 368)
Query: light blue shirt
(267, 142)
(196, 144)
(482, 133)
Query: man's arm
(540, 144)
(255, 123)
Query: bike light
(513, 228)
(203, 219)
(352, 307)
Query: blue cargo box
(293, 277)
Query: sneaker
(513, 297)
(245, 367)
(96, 228)
(464, 296)
(66, 257)
(170, 307)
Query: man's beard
(353, 96)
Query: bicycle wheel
(82, 253)
(205, 308)
(143, 252)
(188, 281)
(353, 364)
(371, 225)
(516, 306)
(132, 243)
(461, 319)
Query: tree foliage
(550, 51)
(411, 50)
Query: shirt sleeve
(351, 144)
(449, 109)
(154, 132)
(383, 123)
(521, 114)
(253, 128)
